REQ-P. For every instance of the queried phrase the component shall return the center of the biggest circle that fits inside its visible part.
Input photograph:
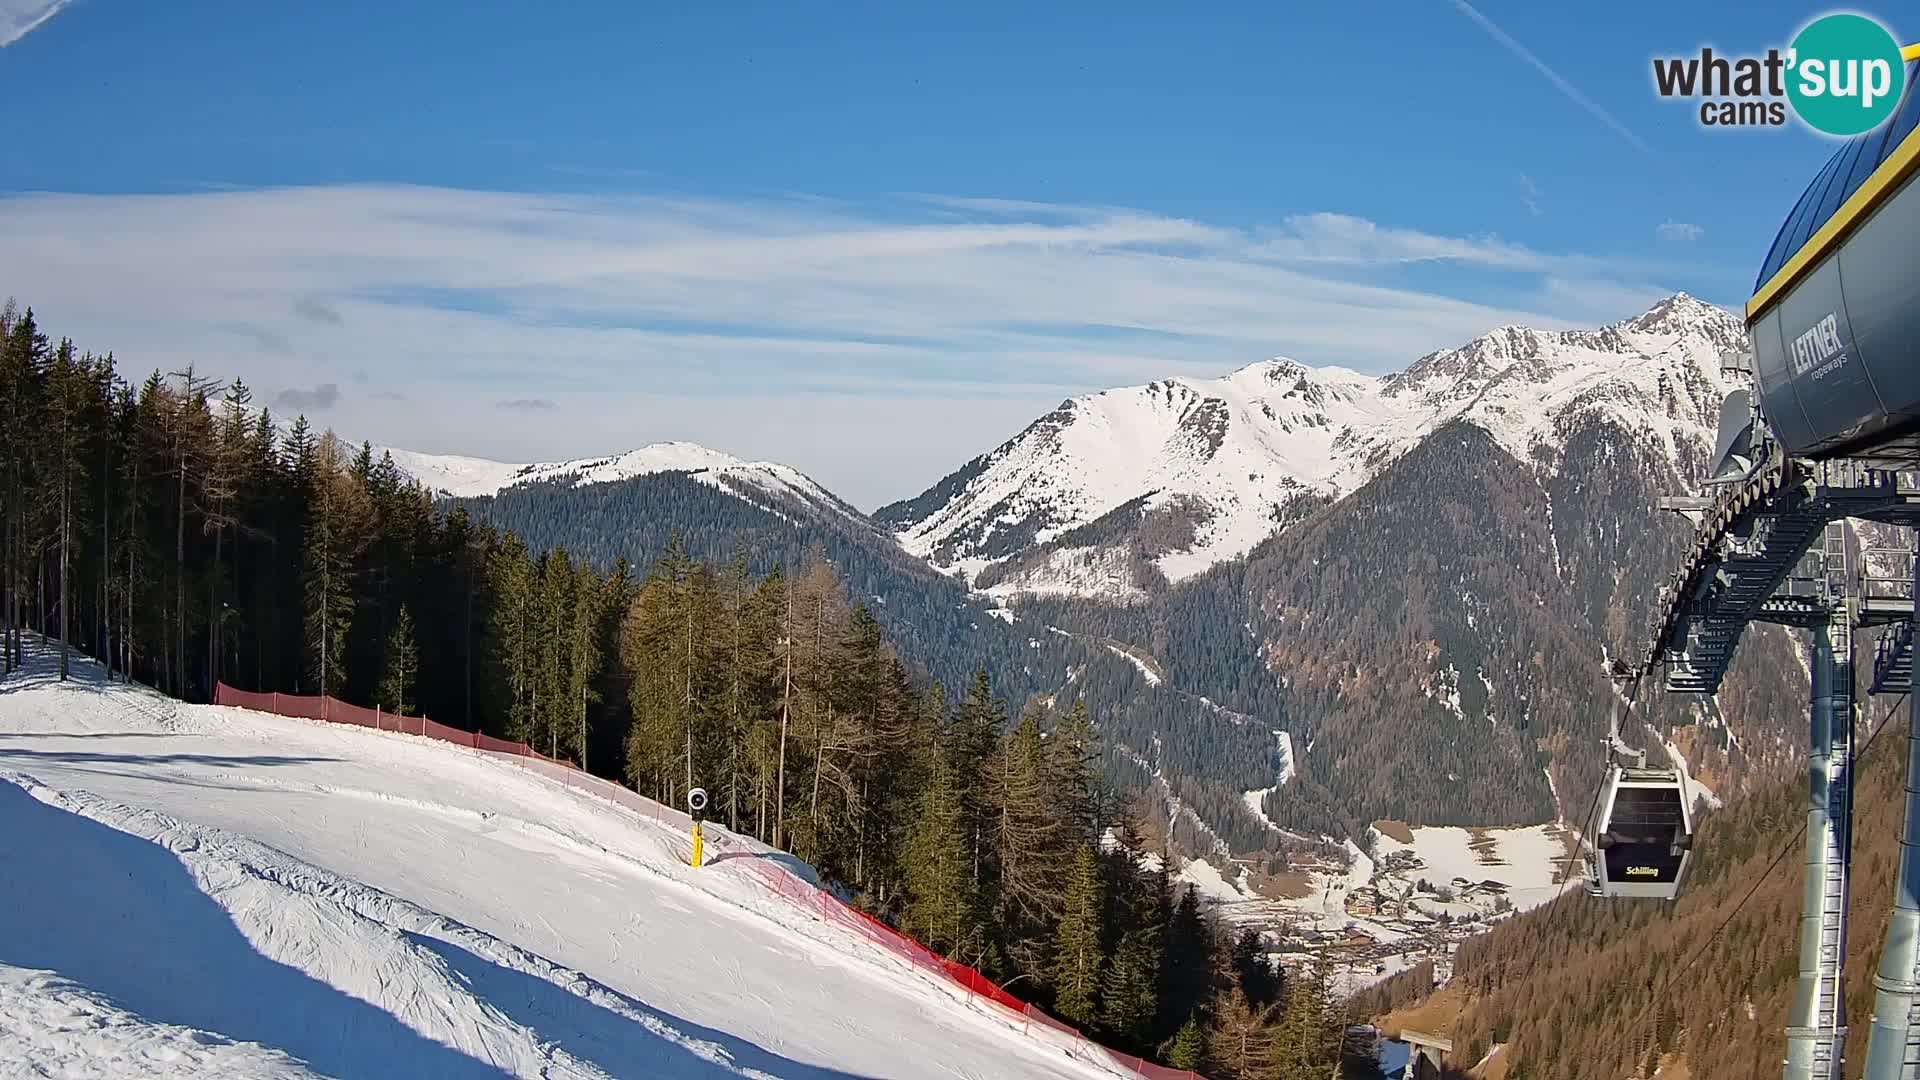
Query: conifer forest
(167, 526)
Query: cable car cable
(1654, 998)
(1789, 846)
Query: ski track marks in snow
(50, 1027)
(219, 932)
(376, 903)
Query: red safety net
(777, 878)
(447, 734)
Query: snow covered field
(1525, 860)
(194, 890)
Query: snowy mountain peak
(1680, 313)
(1202, 470)
(466, 477)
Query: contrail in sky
(1565, 87)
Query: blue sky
(870, 240)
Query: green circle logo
(1845, 74)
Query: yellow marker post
(696, 803)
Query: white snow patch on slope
(1206, 878)
(1145, 671)
(469, 911)
(1255, 801)
(1103, 572)
(1697, 792)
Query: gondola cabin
(1644, 834)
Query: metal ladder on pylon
(1836, 841)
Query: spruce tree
(1129, 997)
(1077, 958)
(976, 735)
(1251, 971)
(1305, 1046)
(1073, 773)
(1188, 973)
(402, 672)
(939, 878)
(329, 588)
(1189, 1047)
(1027, 852)
(509, 579)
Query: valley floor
(198, 890)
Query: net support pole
(1816, 1031)
(1893, 1041)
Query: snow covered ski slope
(192, 890)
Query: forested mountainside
(1211, 750)
(1433, 645)
(183, 538)
(1428, 630)
(1441, 632)
(938, 625)
(1586, 988)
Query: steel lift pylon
(1774, 547)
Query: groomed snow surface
(192, 890)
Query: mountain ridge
(1224, 460)
(1503, 549)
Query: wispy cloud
(318, 399)
(1678, 231)
(1343, 238)
(18, 18)
(1571, 91)
(317, 311)
(526, 405)
(1530, 195)
(776, 328)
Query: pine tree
(1073, 774)
(1077, 959)
(976, 734)
(511, 639)
(1188, 974)
(1130, 998)
(1189, 1047)
(940, 893)
(1251, 971)
(329, 588)
(1306, 1047)
(1026, 848)
(398, 681)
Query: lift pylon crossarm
(1739, 568)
